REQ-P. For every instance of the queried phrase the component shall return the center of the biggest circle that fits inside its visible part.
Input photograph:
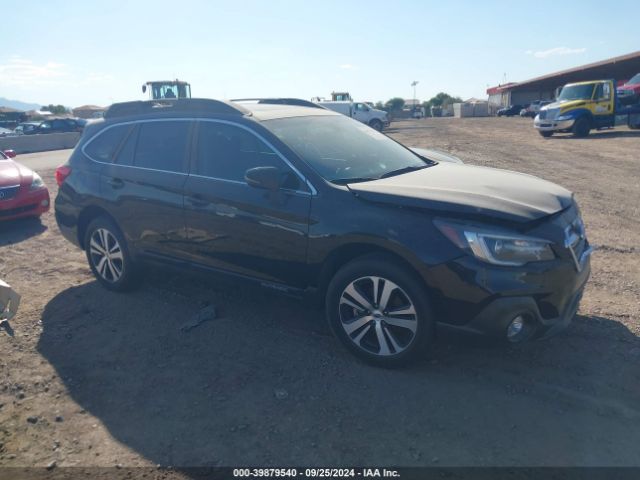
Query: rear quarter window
(104, 145)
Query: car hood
(565, 104)
(12, 173)
(435, 155)
(469, 191)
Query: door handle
(115, 183)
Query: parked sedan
(26, 128)
(532, 110)
(54, 125)
(510, 111)
(22, 191)
(5, 132)
(61, 125)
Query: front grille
(15, 211)
(7, 193)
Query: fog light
(515, 328)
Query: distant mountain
(18, 105)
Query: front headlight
(36, 182)
(498, 248)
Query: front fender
(577, 113)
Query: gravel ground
(93, 378)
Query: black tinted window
(103, 146)
(227, 152)
(125, 154)
(162, 145)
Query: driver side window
(226, 152)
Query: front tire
(546, 134)
(376, 124)
(108, 255)
(379, 311)
(581, 127)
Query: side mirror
(267, 178)
(144, 89)
(10, 153)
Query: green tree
(55, 109)
(443, 99)
(379, 105)
(394, 104)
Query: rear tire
(376, 124)
(108, 256)
(581, 127)
(379, 310)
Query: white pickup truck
(342, 103)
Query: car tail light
(62, 172)
(10, 153)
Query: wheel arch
(87, 215)
(351, 251)
(583, 113)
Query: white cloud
(555, 51)
(21, 72)
(348, 66)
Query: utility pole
(415, 106)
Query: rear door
(234, 227)
(144, 182)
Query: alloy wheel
(378, 316)
(106, 255)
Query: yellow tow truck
(585, 106)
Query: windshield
(576, 92)
(635, 79)
(343, 150)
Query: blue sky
(98, 52)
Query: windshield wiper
(400, 171)
(344, 181)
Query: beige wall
(40, 143)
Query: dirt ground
(93, 378)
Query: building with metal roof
(621, 68)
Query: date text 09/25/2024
(315, 473)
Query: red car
(22, 191)
(630, 90)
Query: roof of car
(205, 107)
(262, 111)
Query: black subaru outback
(302, 199)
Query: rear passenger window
(227, 152)
(162, 145)
(103, 146)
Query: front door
(603, 114)
(361, 112)
(235, 227)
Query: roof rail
(298, 102)
(180, 105)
